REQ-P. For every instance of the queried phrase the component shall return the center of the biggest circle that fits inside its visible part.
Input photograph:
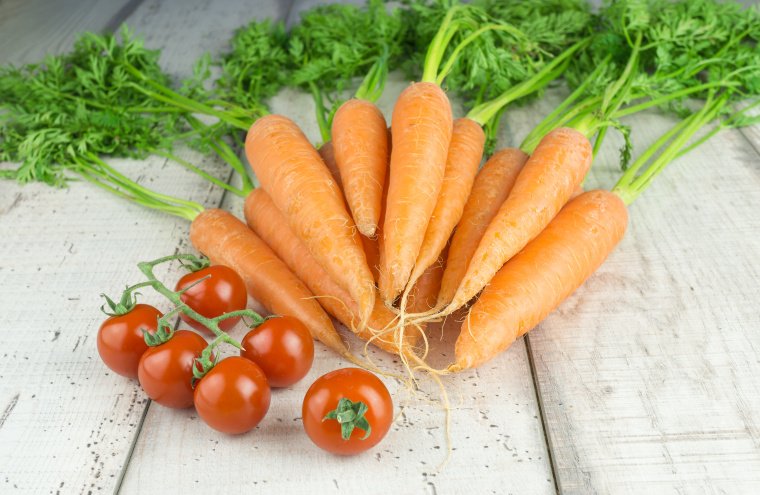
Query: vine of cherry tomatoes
(345, 412)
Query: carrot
(546, 182)
(462, 162)
(372, 252)
(291, 171)
(490, 189)
(373, 248)
(226, 240)
(421, 131)
(577, 192)
(360, 143)
(424, 293)
(267, 221)
(327, 153)
(534, 282)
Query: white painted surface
(30, 29)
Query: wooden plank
(648, 376)
(29, 29)
(752, 135)
(59, 406)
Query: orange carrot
(462, 162)
(557, 166)
(360, 144)
(373, 248)
(421, 131)
(227, 241)
(267, 221)
(534, 282)
(291, 171)
(327, 153)
(424, 293)
(578, 191)
(372, 252)
(491, 188)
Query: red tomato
(282, 347)
(354, 384)
(120, 339)
(166, 371)
(223, 292)
(233, 397)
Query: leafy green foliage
(334, 43)
(685, 44)
(57, 112)
(661, 53)
(498, 59)
(257, 66)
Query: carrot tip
(367, 230)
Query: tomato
(120, 338)
(223, 292)
(166, 371)
(282, 347)
(324, 396)
(233, 397)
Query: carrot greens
(502, 52)
(334, 44)
(660, 54)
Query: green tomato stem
(147, 268)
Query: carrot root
(228, 241)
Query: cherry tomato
(166, 371)
(233, 397)
(120, 338)
(282, 347)
(325, 395)
(223, 292)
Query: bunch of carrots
(388, 226)
(402, 192)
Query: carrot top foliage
(78, 103)
(334, 44)
(498, 59)
(257, 66)
(655, 53)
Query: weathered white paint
(30, 29)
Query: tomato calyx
(350, 415)
(164, 331)
(127, 301)
(194, 263)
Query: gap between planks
(542, 413)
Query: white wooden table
(647, 380)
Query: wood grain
(30, 29)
